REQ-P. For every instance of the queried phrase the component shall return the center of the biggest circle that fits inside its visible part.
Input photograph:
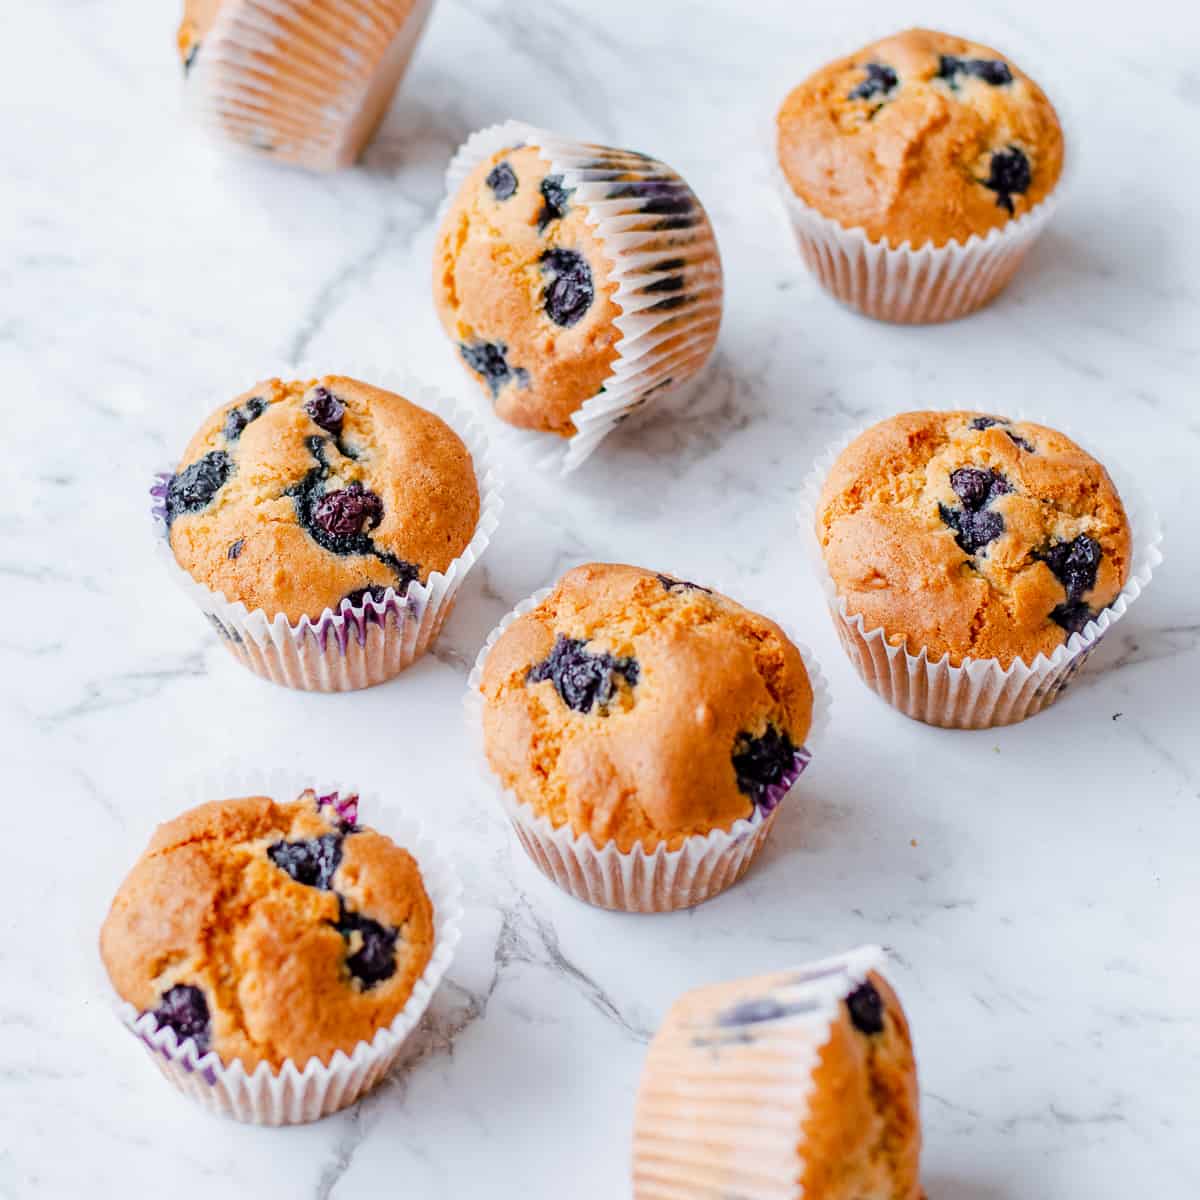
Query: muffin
(565, 272)
(921, 140)
(269, 932)
(812, 1069)
(962, 537)
(632, 714)
(302, 501)
(302, 81)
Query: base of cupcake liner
(905, 286)
(301, 85)
(640, 881)
(295, 1095)
(721, 1104)
(358, 646)
(665, 263)
(980, 693)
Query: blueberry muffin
(813, 1068)
(269, 930)
(968, 535)
(920, 138)
(643, 709)
(527, 289)
(299, 497)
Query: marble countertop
(1038, 885)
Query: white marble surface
(1038, 885)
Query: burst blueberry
(977, 486)
(184, 1009)
(502, 179)
(326, 410)
(196, 485)
(490, 361)
(555, 201)
(672, 585)
(993, 71)
(865, 1005)
(238, 418)
(582, 679)
(348, 511)
(312, 862)
(974, 525)
(375, 958)
(235, 548)
(762, 762)
(1075, 565)
(1009, 175)
(880, 80)
(359, 596)
(569, 289)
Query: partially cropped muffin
(800, 1083)
(529, 267)
(298, 497)
(301, 81)
(270, 931)
(642, 710)
(922, 138)
(967, 535)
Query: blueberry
(326, 410)
(489, 360)
(671, 585)
(1015, 438)
(311, 862)
(986, 422)
(375, 959)
(583, 680)
(569, 290)
(502, 179)
(866, 1008)
(1074, 564)
(993, 71)
(345, 513)
(195, 486)
(184, 1009)
(239, 418)
(235, 548)
(1010, 175)
(556, 201)
(976, 486)
(762, 763)
(972, 530)
(879, 81)
(359, 596)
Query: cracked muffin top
(521, 284)
(921, 137)
(965, 534)
(858, 1133)
(269, 931)
(296, 497)
(639, 708)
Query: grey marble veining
(1038, 885)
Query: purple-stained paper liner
(659, 880)
(722, 1102)
(666, 341)
(302, 82)
(298, 1093)
(978, 694)
(359, 645)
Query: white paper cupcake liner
(358, 646)
(654, 881)
(298, 1093)
(726, 1088)
(667, 336)
(980, 693)
(303, 81)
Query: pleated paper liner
(362, 645)
(980, 693)
(721, 1113)
(303, 81)
(301, 1092)
(654, 881)
(665, 263)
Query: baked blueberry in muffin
(967, 535)
(267, 930)
(640, 709)
(298, 497)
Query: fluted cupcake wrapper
(362, 645)
(303, 81)
(654, 881)
(297, 1093)
(722, 1102)
(980, 693)
(665, 263)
